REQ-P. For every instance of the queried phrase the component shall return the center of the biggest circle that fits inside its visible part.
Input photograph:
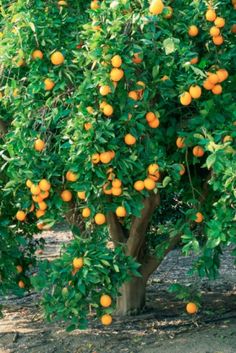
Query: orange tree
(120, 117)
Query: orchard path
(165, 328)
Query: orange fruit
(208, 85)
(29, 183)
(77, 263)
(217, 89)
(108, 110)
(211, 15)
(193, 31)
(218, 40)
(21, 284)
(194, 60)
(136, 59)
(90, 110)
(130, 139)
(35, 189)
(116, 191)
(165, 78)
(233, 28)
(37, 198)
(95, 158)
(199, 217)
(155, 176)
(191, 308)
(139, 185)
(169, 13)
(116, 61)
(222, 75)
(227, 138)
(185, 98)
(198, 151)
(116, 183)
(86, 212)
(107, 189)
(40, 213)
(154, 124)
(100, 219)
(48, 84)
(19, 269)
(150, 116)
(66, 195)
(156, 7)
(44, 185)
(21, 216)
(88, 126)
(112, 154)
(57, 58)
(102, 105)
(32, 207)
(104, 90)
(44, 194)
(116, 74)
(180, 142)
(219, 22)
(182, 170)
(37, 54)
(105, 301)
(105, 157)
(106, 319)
(39, 145)
(71, 176)
(214, 31)
(42, 205)
(121, 211)
(133, 95)
(149, 184)
(94, 5)
(81, 195)
(111, 176)
(20, 62)
(153, 168)
(195, 91)
(213, 78)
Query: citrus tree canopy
(120, 117)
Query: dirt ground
(164, 328)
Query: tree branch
(139, 225)
(115, 228)
(3, 128)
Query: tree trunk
(132, 299)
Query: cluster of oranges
(153, 175)
(152, 120)
(198, 151)
(104, 157)
(219, 22)
(113, 186)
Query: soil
(164, 328)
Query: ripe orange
(227, 138)
(94, 5)
(112, 154)
(35, 189)
(213, 78)
(95, 158)
(39, 145)
(108, 110)
(180, 142)
(20, 62)
(20, 216)
(105, 301)
(130, 139)
(150, 116)
(182, 170)
(102, 105)
(99, 219)
(222, 75)
(193, 31)
(57, 58)
(121, 211)
(66, 195)
(37, 54)
(211, 15)
(185, 98)
(149, 184)
(214, 31)
(77, 263)
(153, 168)
(194, 60)
(37, 198)
(199, 217)
(88, 126)
(71, 176)
(81, 195)
(208, 85)
(40, 213)
(156, 7)
(86, 212)
(191, 308)
(48, 84)
(198, 151)
(44, 185)
(195, 91)
(116, 191)
(116, 61)
(106, 319)
(154, 124)
(104, 90)
(107, 189)
(44, 194)
(105, 157)
(21, 284)
(116, 183)
(19, 269)
(136, 59)
(29, 183)
(116, 74)
(217, 89)
(219, 22)
(218, 40)
(133, 95)
(42, 205)
(155, 176)
(139, 185)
